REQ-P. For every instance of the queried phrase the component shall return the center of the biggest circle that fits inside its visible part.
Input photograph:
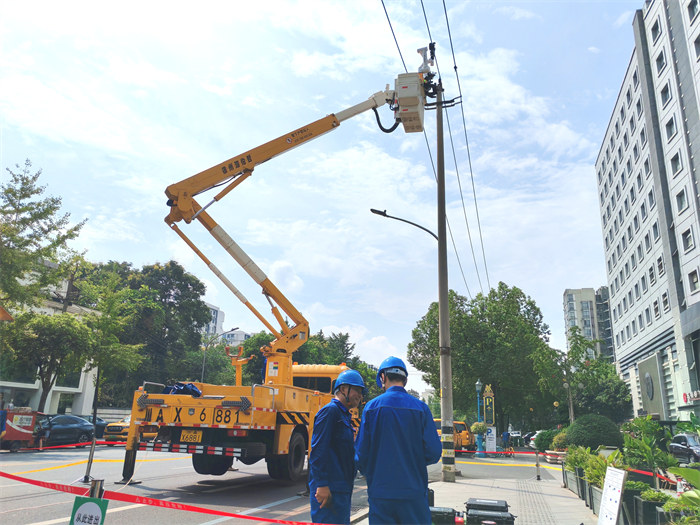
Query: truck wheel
(15, 446)
(220, 465)
(201, 463)
(274, 467)
(293, 463)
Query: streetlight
(479, 437)
(446, 409)
(206, 346)
(385, 214)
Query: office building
(588, 309)
(648, 188)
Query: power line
(466, 139)
(464, 209)
(454, 246)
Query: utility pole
(446, 413)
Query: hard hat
(352, 378)
(391, 365)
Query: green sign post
(90, 511)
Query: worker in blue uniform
(332, 460)
(396, 443)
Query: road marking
(507, 464)
(249, 511)
(84, 461)
(67, 518)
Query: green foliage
(655, 495)
(644, 444)
(690, 427)
(51, 345)
(479, 427)
(592, 430)
(577, 457)
(491, 337)
(32, 232)
(597, 467)
(635, 488)
(688, 503)
(543, 441)
(559, 442)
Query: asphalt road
(170, 477)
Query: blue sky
(116, 103)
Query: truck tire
(289, 466)
(201, 464)
(211, 465)
(15, 446)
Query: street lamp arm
(385, 214)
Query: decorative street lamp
(479, 437)
(208, 344)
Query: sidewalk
(533, 502)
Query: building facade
(648, 191)
(589, 310)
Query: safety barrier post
(537, 461)
(97, 488)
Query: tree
(492, 338)
(32, 233)
(50, 345)
(595, 386)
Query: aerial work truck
(272, 420)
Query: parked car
(99, 425)
(686, 448)
(527, 436)
(61, 429)
(531, 443)
(120, 430)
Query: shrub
(635, 488)
(598, 465)
(543, 441)
(592, 431)
(479, 428)
(559, 442)
(577, 457)
(656, 496)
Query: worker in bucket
(396, 443)
(332, 460)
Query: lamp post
(567, 386)
(206, 347)
(479, 437)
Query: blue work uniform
(396, 443)
(332, 463)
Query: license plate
(191, 436)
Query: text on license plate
(191, 436)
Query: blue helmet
(352, 378)
(391, 365)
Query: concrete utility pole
(446, 414)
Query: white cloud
(624, 19)
(517, 13)
(594, 50)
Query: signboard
(490, 440)
(89, 510)
(612, 496)
(489, 410)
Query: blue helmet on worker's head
(391, 365)
(352, 378)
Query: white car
(531, 444)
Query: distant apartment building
(648, 189)
(589, 310)
(216, 325)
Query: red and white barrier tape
(130, 498)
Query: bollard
(537, 460)
(97, 488)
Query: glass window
(660, 61)
(665, 94)
(655, 230)
(676, 163)
(687, 239)
(671, 128)
(693, 9)
(664, 302)
(681, 201)
(693, 281)
(656, 30)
